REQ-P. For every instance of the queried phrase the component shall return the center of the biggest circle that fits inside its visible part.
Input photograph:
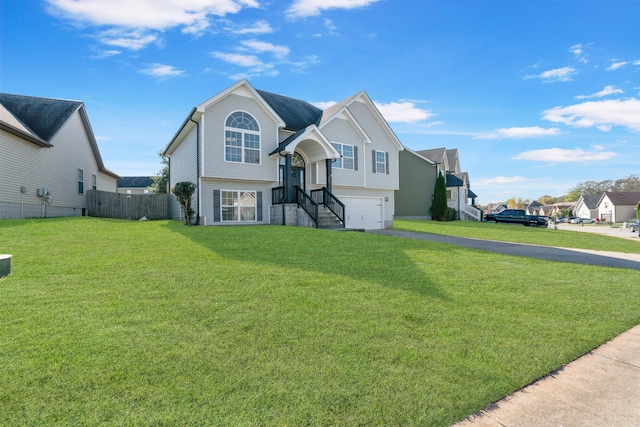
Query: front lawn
(108, 322)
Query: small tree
(439, 206)
(183, 192)
(161, 180)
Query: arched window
(242, 138)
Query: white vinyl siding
(210, 186)
(23, 164)
(213, 132)
(184, 169)
(381, 140)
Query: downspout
(197, 168)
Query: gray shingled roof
(43, 116)
(135, 182)
(436, 155)
(591, 200)
(626, 198)
(296, 114)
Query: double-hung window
(238, 205)
(242, 138)
(348, 159)
(94, 182)
(380, 162)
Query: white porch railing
(465, 212)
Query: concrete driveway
(600, 229)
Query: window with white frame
(381, 162)
(347, 161)
(238, 205)
(80, 181)
(242, 138)
(94, 182)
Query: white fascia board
(352, 120)
(236, 87)
(379, 117)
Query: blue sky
(537, 96)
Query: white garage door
(363, 212)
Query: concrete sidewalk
(602, 388)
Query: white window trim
(339, 147)
(242, 132)
(383, 163)
(239, 215)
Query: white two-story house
(258, 157)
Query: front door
(297, 171)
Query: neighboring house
(556, 209)
(587, 206)
(618, 206)
(135, 185)
(417, 183)
(49, 158)
(438, 160)
(533, 208)
(262, 158)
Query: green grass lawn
(520, 234)
(108, 322)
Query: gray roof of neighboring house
(295, 113)
(620, 198)
(436, 155)
(43, 116)
(591, 200)
(135, 182)
(534, 204)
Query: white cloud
(608, 90)
(127, 39)
(561, 155)
(323, 105)
(151, 14)
(262, 47)
(403, 112)
(499, 180)
(162, 71)
(259, 27)
(563, 74)
(305, 8)
(238, 59)
(601, 114)
(578, 52)
(520, 133)
(135, 24)
(616, 65)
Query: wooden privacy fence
(105, 204)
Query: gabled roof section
(311, 132)
(336, 109)
(135, 182)
(296, 114)
(43, 116)
(626, 198)
(436, 155)
(534, 204)
(591, 200)
(420, 156)
(453, 160)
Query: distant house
(262, 158)
(418, 172)
(587, 206)
(49, 158)
(135, 185)
(618, 206)
(556, 209)
(533, 208)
